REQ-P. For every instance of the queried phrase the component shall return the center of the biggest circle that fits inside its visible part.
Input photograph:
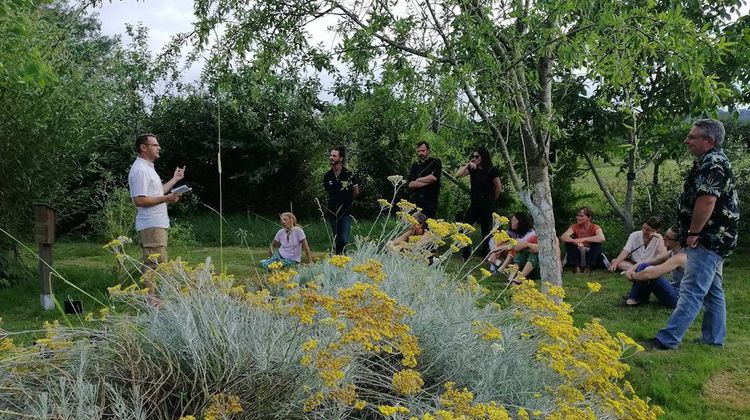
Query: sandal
(631, 302)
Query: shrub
(374, 333)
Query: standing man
(485, 190)
(424, 180)
(342, 186)
(150, 197)
(707, 216)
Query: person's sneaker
(653, 344)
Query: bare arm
(497, 187)
(355, 191)
(274, 244)
(567, 236)
(662, 254)
(306, 248)
(598, 238)
(463, 171)
(656, 271)
(618, 259)
(143, 201)
(179, 174)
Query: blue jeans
(276, 257)
(341, 225)
(701, 285)
(666, 292)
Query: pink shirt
(291, 243)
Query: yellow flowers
(594, 287)
(7, 345)
(384, 203)
(222, 406)
(132, 290)
(406, 206)
(461, 240)
(407, 382)
(440, 227)
(310, 344)
(276, 265)
(372, 269)
(339, 261)
(485, 273)
(486, 331)
(499, 220)
(390, 410)
(117, 244)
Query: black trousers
(482, 213)
(591, 256)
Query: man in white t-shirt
(150, 197)
(643, 246)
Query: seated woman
(583, 241)
(290, 241)
(649, 279)
(413, 230)
(643, 246)
(527, 260)
(502, 254)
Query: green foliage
(117, 216)
(270, 141)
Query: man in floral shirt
(708, 218)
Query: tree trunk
(538, 199)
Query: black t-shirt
(429, 193)
(482, 189)
(340, 190)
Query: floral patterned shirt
(712, 175)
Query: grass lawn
(694, 382)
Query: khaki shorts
(153, 241)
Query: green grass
(693, 382)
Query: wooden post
(44, 235)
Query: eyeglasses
(155, 145)
(691, 137)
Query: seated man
(643, 246)
(649, 279)
(583, 241)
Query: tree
(504, 55)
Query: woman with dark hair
(485, 189)
(502, 254)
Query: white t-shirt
(643, 253)
(291, 243)
(144, 181)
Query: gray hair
(713, 129)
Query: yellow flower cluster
(132, 290)
(460, 405)
(391, 410)
(440, 228)
(499, 220)
(372, 269)
(407, 218)
(117, 244)
(339, 261)
(594, 287)
(406, 206)
(464, 227)
(222, 406)
(461, 240)
(276, 265)
(282, 278)
(486, 331)
(589, 358)
(407, 382)
(7, 345)
(384, 203)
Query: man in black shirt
(485, 190)
(424, 180)
(342, 186)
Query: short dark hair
(423, 143)
(341, 150)
(654, 222)
(142, 139)
(587, 211)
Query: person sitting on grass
(414, 230)
(527, 260)
(583, 241)
(502, 254)
(649, 279)
(643, 246)
(290, 241)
